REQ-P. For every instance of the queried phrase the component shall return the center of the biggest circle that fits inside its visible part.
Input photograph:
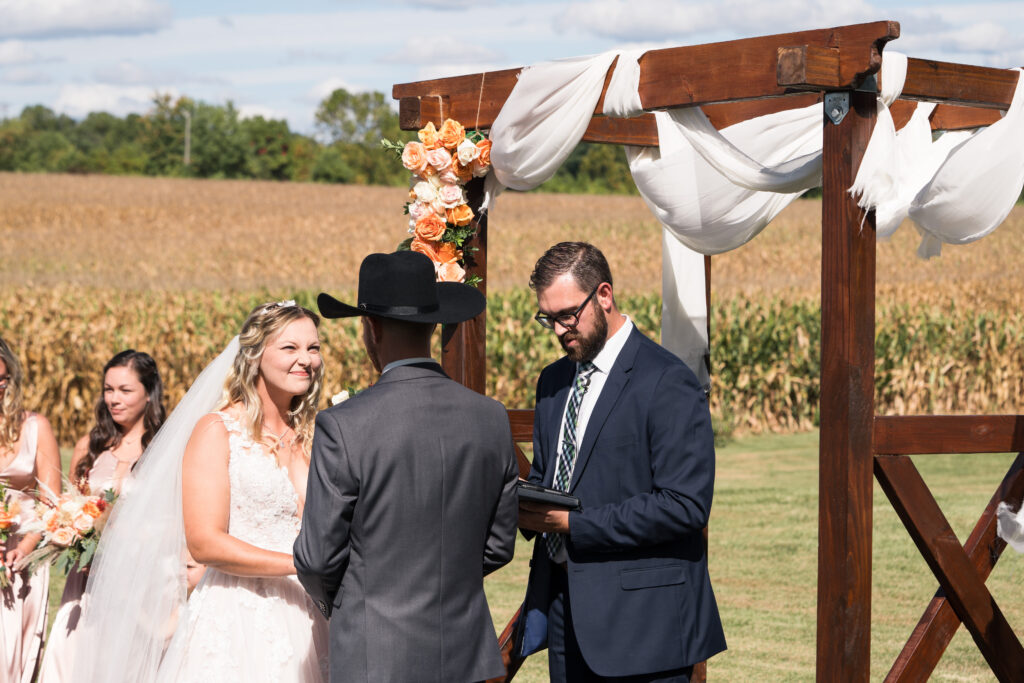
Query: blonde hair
(12, 412)
(263, 324)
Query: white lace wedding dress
(249, 629)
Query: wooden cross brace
(960, 570)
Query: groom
(411, 497)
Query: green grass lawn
(763, 560)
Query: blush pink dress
(23, 606)
(57, 660)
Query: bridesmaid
(28, 451)
(128, 415)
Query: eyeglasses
(567, 320)
(4, 381)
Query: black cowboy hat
(403, 286)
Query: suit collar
(417, 370)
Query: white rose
(425, 192)
(339, 397)
(467, 152)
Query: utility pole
(188, 136)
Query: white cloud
(659, 20)
(24, 76)
(14, 52)
(417, 51)
(77, 100)
(63, 18)
(122, 73)
(323, 89)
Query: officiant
(619, 589)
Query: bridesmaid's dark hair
(106, 433)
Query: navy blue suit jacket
(637, 571)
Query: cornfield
(92, 265)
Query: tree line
(223, 144)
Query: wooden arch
(737, 80)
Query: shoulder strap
(31, 428)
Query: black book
(540, 494)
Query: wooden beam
(939, 622)
(957, 575)
(677, 76)
(845, 483)
(977, 86)
(522, 424)
(945, 116)
(811, 68)
(925, 434)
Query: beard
(589, 345)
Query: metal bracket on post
(837, 105)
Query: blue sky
(280, 59)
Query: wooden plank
(945, 116)
(939, 623)
(810, 68)
(463, 352)
(681, 76)
(926, 434)
(522, 424)
(847, 404)
(957, 575)
(978, 86)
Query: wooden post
(463, 346)
(847, 403)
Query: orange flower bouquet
(70, 525)
(440, 221)
(10, 518)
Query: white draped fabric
(716, 190)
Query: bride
(228, 487)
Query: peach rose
(424, 247)
(439, 159)
(83, 523)
(485, 152)
(63, 536)
(452, 133)
(6, 519)
(459, 215)
(465, 173)
(50, 520)
(430, 227)
(448, 176)
(428, 136)
(450, 272)
(414, 156)
(92, 509)
(451, 196)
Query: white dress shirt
(405, 361)
(603, 363)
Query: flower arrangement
(10, 517)
(440, 221)
(70, 525)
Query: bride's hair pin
(286, 303)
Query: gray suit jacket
(411, 500)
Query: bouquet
(440, 220)
(70, 525)
(10, 517)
